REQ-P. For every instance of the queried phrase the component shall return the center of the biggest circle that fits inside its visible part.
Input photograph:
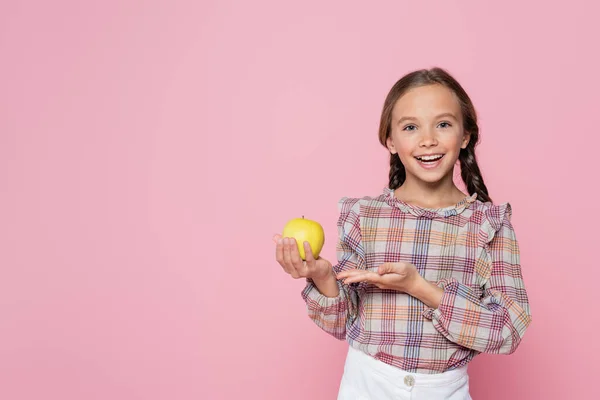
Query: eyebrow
(436, 117)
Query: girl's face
(427, 133)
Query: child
(427, 277)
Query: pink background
(149, 150)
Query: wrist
(417, 286)
(327, 284)
(324, 272)
(324, 276)
(427, 292)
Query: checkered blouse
(470, 250)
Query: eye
(409, 128)
(444, 125)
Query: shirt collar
(428, 212)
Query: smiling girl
(427, 276)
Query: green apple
(306, 230)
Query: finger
(279, 252)
(287, 257)
(385, 268)
(349, 272)
(354, 276)
(279, 256)
(310, 259)
(276, 238)
(297, 261)
(368, 276)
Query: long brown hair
(470, 172)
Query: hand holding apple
(298, 250)
(288, 256)
(305, 230)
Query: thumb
(385, 268)
(276, 237)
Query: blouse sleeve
(496, 321)
(333, 314)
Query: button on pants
(366, 378)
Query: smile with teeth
(430, 159)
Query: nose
(428, 138)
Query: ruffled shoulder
(347, 205)
(349, 224)
(494, 217)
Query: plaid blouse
(469, 250)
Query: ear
(390, 145)
(466, 140)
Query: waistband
(396, 375)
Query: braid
(470, 173)
(397, 172)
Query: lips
(430, 161)
(429, 158)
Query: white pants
(366, 378)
